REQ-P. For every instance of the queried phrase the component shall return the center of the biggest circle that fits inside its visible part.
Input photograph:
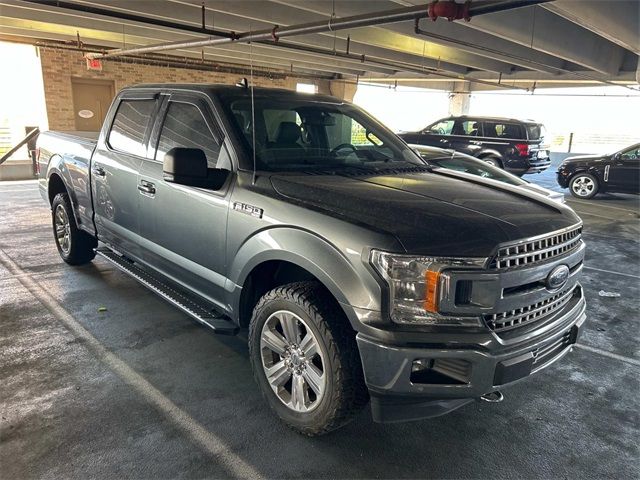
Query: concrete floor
(141, 391)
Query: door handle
(444, 140)
(99, 171)
(147, 188)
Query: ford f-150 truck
(362, 273)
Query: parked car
(517, 146)
(360, 271)
(587, 175)
(465, 163)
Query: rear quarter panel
(69, 157)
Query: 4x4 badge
(557, 277)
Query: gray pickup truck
(362, 273)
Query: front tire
(584, 185)
(305, 358)
(74, 246)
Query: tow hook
(493, 397)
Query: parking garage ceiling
(552, 43)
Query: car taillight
(523, 149)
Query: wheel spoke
(278, 374)
(298, 393)
(274, 341)
(309, 346)
(314, 378)
(290, 328)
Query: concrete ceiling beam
(543, 30)
(618, 22)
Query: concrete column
(460, 99)
(345, 91)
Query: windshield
(460, 163)
(293, 133)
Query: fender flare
(348, 282)
(489, 152)
(59, 168)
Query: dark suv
(515, 145)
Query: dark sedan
(586, 176)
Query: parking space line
(611, 271)
(594, 215)
(605, 353)
(207, 440)
(601, 205)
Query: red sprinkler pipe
(449, 10)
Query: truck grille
(500, 322)
(537, 250)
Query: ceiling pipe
(79, 7)
(397, 66)
(322, 26)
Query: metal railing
(31, 136)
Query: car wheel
(75, 246)
(495, 161)
(583, 185)
(305, 358)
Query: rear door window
(185, 126)
(504, 130)
(466, 128)
(130, 126)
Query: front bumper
(479, 368)
(562, 177)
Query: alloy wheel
(63, 229)
(583, 186)
(293, 361)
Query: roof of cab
(491, 118)
(225, 89)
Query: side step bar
(193, 306)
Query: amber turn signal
(431, 291)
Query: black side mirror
(188, 166)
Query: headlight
(417, 284)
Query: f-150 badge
(248, 209)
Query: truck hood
(430, 213)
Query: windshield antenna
(253, 111)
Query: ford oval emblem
(558, 277)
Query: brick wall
(59, 66)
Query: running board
(199, 309)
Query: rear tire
(305, 358)
(584, 185)
(491, 160)
(74, 246)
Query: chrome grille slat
(541, 354)
(500, 322)
(536, 250)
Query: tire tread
(350, 393)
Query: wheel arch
(284, 255)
